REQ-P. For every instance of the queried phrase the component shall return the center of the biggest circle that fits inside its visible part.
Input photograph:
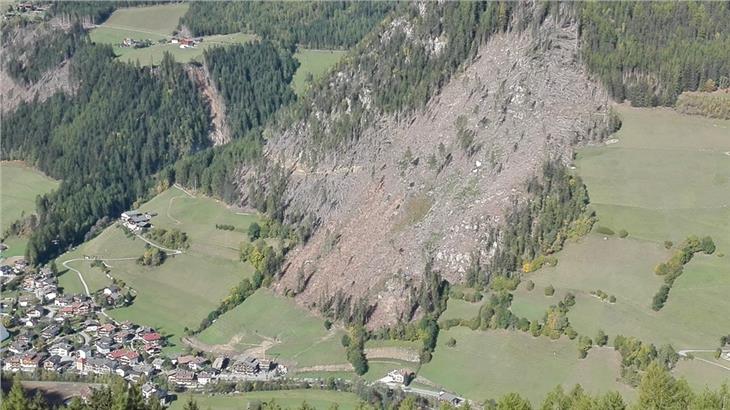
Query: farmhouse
(135, 221)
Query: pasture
(184, 289)
(489, 364)
(667, 177)
(314, 62)
(157, 24)
(287, 399)
(19, 187)
(290, 333)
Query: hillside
(431, 183)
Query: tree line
(105, 142)
(335, 24)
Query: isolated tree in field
(550, 290)
(601, 338)
(254, 231)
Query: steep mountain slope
(428, 184)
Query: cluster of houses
(10, 272)
(136, 221)
(62, 333)
(186, 42)
(24, 9)
(132, 43)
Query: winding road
(170, 252)
(684, 353)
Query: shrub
(500, 283)
(254, 231)
(604, 230)
(571, 333)
(328, 324)
(660, 298)
(623, 233)
(668, 244)
(550, 290)
(451, 342)
(707, 245)
(612, 299)
(601, 338)
(530, 285)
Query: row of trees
(122, 126)
(674, 267)
(336, 24)
(649, 52)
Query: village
(47, 333)
(72, 336)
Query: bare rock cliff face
(430, 185)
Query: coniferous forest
(649, 52)
(336, 24)
(253, 80)
(106, 142)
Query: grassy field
(295, 336)
(155, 23)
(315, 62)
(162, 19)
(489, 364)
(19, 187)
(667, 176)
(184, 289)
(460, 309)
(288, 399)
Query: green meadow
(314, 62)
(664, 176)
(19, 187)
(155, 23)
(186, 287)
(489, 364)
(294, 335)
(319, 399)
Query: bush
(612, 299)
(623, 233)
(530, 285)
(604, 230)
(660, 298)
(550, 290)
(707, 245)
(601, 338)
(570, 332)
(254, 231)
(328, 324)
(668, 244)
(451, 342)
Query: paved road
(684, 352)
